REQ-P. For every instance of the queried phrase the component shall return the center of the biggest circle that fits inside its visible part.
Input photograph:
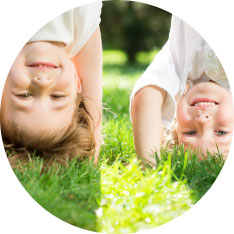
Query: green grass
(70, 193)
(117, 196)
(140, 199)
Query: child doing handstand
(185, 75)
(52, 97)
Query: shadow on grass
(70, 193)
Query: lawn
(117, 196)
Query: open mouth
(42, 65)
(203, 102)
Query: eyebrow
(223, 147)
(17, 104)
(62, 106)
(211, 144)
(186, 144)
(223, 143)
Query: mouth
(204, 102)
(42, 66)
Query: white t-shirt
(73, 28)
(185, 57)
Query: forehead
(45, 139)
(33, 129)
(36, 123)
(34, 132)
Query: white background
(18, 22)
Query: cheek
(18, 78)
(69, 81)
(225, 116)
(69, 85)
(183, 115)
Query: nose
(202, 117)
(42, 81)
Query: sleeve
(161, 73)
(86, 20)
(73, 28)
(57, 30)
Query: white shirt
(73, 28)
(185, 57)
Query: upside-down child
(53, 93)
(185, 87)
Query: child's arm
(153, 104)
(146, 120)
(88, 63)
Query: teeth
(204, 104)
(43, 66)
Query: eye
(190, 133)
(24, 95)
(57, 96)
(221, 133)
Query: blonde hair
(76, 141)
(169, 135)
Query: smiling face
(41, 90)
(205, 117)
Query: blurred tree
(133, 27)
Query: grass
(140, 199)
(70, 193)
(117, 196)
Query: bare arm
(88, 63)
(146, 120)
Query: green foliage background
(133, 27)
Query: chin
(207, 87)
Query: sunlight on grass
(116, 82)
(114, 57)
(118, 57)
(140, 199)
(146, 57)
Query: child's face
(41, 89)
(205, 118)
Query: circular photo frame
(117, 117)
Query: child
(186, 70)
(52, 97)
